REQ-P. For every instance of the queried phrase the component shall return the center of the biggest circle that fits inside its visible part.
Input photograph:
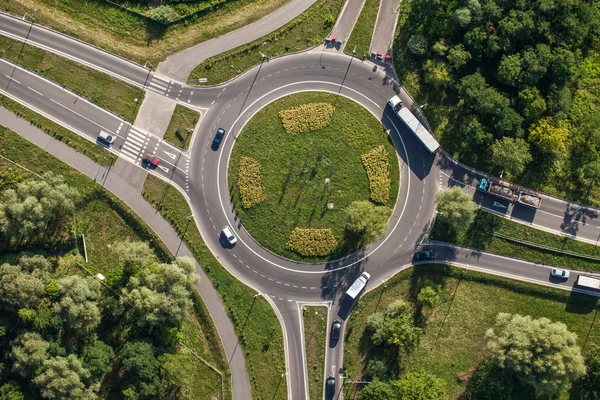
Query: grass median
(481, 236)
(315, 336)
(180, 129)
(309, 29)
(256, 324)
(362, 33)
(453, 342)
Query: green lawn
(180, 129)
(362, 32)
(305, 31)
(255, 322)
(294, 169)
(96, 153)
(105, 220)
(100, 88)
(131, 36)
(480, 236)
(315, 338)
(453, 342)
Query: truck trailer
(509, 192)
(413, 124)
(358, 285)
(588, 282)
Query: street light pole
(22, 48)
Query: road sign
(496, 204)
(203, 80)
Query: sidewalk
(112, 180)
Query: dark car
(330, 386)
(336, 327)
(424, 255)
(218, 138)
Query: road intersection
(200, 173)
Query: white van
(229, 235)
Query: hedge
(250, 182)
(312, 242)
(307, 117)
(377, 164)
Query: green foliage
(377, 164)
(429, 296)
(177, 369)
(456, 207)
(548, 137)
(97, 358)
(367, 220)
(588, 387)
(140, 369)
(458, 56)
(462, 16)
(377, 368)
(18, 288)
(249, 182)
(531, 104)
(77, 305)
(306, 117)
(511, 155)
(164, 14)
(541, 353)
(436, 73)
(377, 390)
(417, 44)
(65, 378)
(10, 391)
(420, 385)
(312, 242)
(29, 352)
(394, 327)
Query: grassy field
(102, 89)
(106, 220)
(363, 30)
(307, 30)
(453, 342)
(134, 37)
(315, 338)
(92, 150)
(481, 236)
(294, 169)
(179, 131)
(255, 322)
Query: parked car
(218, 138)
(336, 327)
(229, 235)
(151, 159)
(560, 273)
(107, 138)
(424, 255)
(330, 386)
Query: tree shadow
(489, 382)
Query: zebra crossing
(171, 89)
(135, 145)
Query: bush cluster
(312, 242)
(307, 117)
(250, 182)
(377, 164)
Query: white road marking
(34, 91)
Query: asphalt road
(202, 175)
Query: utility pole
(22, 47)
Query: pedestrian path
(135, 144)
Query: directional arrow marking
(169, 154)
(164, 168)
(496, 204)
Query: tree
(510, 155)
(394, 327)
(458, 56)
(97, 359)
(20, 289)
(548, 137)
(417, 44)
(141, 369)
(509, 70)
(429, 296)
(133, 255)
(436, 73)
(456, 207)
(29, 352)
(10, 391)
(377, 390)
(65, 378)
(377, 368)
(366, 219)
(462, 17)
(420, 386)
(77, 304)
(542, 353)
(531, 104)
(588, 387)
(177, 370)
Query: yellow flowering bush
(312, 242)
(377, 164)
(249, 182)
(307, 117)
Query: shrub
(307, 117)
(312, 242)
(164, 14)
(377, 164)
(250, 182)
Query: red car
(151, 159)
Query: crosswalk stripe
(131, 148)
(137, 133)
(135, 140)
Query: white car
(560, 273)
(229, 235)
(107, 138)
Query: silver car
(107, 137)
(560, 273)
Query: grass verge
(480, 235)
(105, 220)
(100, 88)
(453, 342)
(92, 150)
(294, 170)
(362, 33)
(256, 324)
(134, 37)
(180, 129)
(315, 336)
(305, 31)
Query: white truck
(588, 282)
(358, 285)
(413, 124)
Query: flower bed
(312, 242)
(307, 117)
(377, 164)
(250, 182)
